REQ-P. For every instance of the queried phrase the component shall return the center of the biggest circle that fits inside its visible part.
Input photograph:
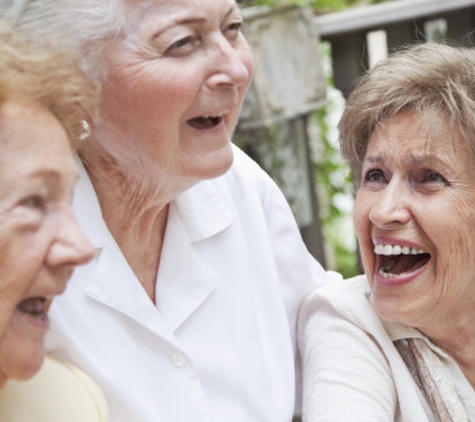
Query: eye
(34, 201)
(431, 176)
(374, 176)
(233, 30)
(181, 43)
(183, 46)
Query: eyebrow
(419, 159)
(373, 159)
(51, 175)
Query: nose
(391, 206)
(231, 63)
(70, 246)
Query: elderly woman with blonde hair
(43, 98)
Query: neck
(135, 212)
(3, 380)
(459, 343)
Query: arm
(346, 376)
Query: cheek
(361, 216)
(248, 62)
(460, 246)
(450, 226)
(362, 227)
(21, 258)
(246, 55)
(12, 284)
(7, 306)
(21, 354)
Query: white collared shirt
(219, 345)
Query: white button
(178, 360)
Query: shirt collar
(203, 210)
(87, 209)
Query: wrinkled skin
(418, 189)
(161, 79)
(40, 241)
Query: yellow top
(59, 392)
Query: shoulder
(60, 391)
(342, 295)
(343, 303)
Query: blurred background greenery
(320, 6)
(332, 176)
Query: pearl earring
(86, 130)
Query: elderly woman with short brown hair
(398, 344)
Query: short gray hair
(435, 80)
(83, 27)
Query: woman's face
(415, 220)
(174, 88)
(40, 241)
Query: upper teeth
(382, 249)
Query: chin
(27, 362)
(214, 164)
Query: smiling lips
(399, 263)
(205, 122)
(36, 307)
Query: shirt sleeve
(346, 377)
(299, 272)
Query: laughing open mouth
(37, 307)
(205, 122)
(396, 260)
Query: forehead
(172, 11)
(416, 135)
(177, 4)
(29, 133)
(23, 121)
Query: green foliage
(320, 6)
(333, 180)
(332, 5)
(332, 175)
(273, 2)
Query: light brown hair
(51, 78)
(435, 80)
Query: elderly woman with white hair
(188, 311)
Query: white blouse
(352, 370)
(220, 344)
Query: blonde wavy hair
(48, 77)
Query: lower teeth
(385, 274)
